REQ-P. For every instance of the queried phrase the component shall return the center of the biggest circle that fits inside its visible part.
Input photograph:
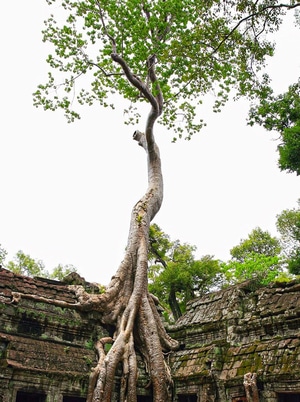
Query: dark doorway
(187, 398)
(73, 399)
(30, 397)
(144, 398)
(288, 397)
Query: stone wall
(46, 352)
(240, 330)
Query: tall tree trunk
(127, 306)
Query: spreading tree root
(131, 309)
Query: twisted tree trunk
(128, 306)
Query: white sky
(68, 190)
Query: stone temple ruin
(238, 344)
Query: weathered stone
(256, 331)
(224, 336)
(43, 348)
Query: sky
(67, 190)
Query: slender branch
(110, 37)
(134, 80)
(91, 63)
(288, 6)
(156, 253)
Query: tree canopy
(198, 47)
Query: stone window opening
(30, 397)
(73, 399)
(3, 347)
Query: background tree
(61, 271)
(282, 114)
(288, 225)
(169, 54)
(258, 242)
(23, 264)
(175, 276)
(3, 254)
(257, 257)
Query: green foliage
(258, 242)
(61, 271)
(175, 275)
(200, 46)
(288, 225)
(23, 264)
(289, 150)
(282, 114)
(3, 254)
(257, 257)
(260, 267)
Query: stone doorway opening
(287, 397)
(187, 398)
(30, 397)
(73, 399)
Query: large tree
(169, 54)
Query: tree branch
(288, 6)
